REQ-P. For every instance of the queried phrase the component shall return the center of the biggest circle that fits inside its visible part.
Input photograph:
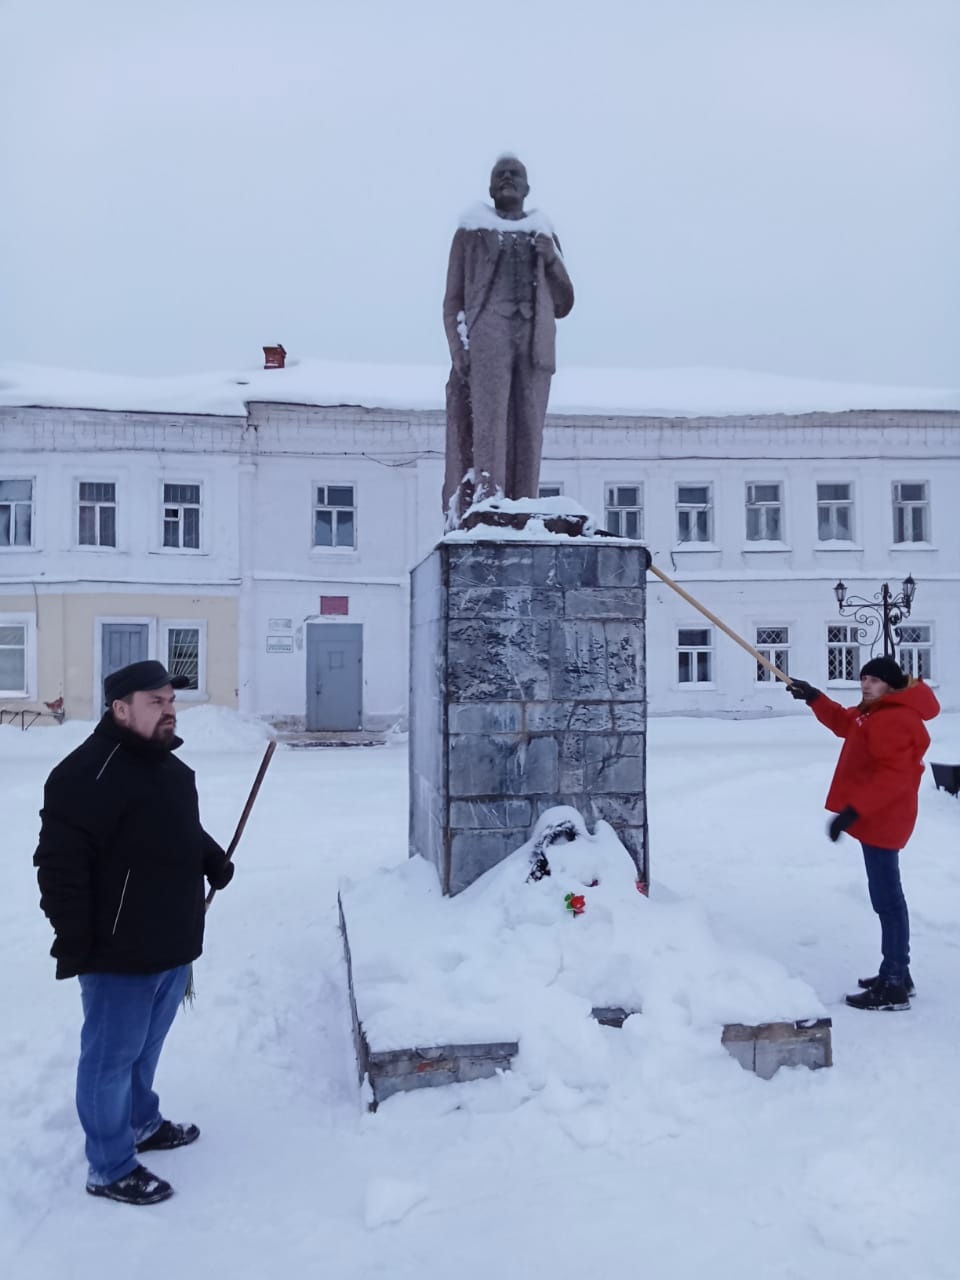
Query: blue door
(122, 643)
(334, 676)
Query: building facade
(266, 555)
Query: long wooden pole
(702, 608)
(258, 780)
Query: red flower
(643, 887)
(576, 903)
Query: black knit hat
(885, 669)
(137, 676)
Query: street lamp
(881, 616)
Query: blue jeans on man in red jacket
(887, 900)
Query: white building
(257, 532)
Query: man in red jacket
(874, 797)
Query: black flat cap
(139, 676)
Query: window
(97, 520)
(764, 513)
(834, 513)
(16, 513)
(181, 516)
(13, 658)
(773, 643)
(694, 656)
(334, 516)
(550, 491)
(625, 510)
(694, 521)
(910, 512)
(843, 653)
(916, 650)
(183, 654)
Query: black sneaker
(891, 997)
(867, 983)
(168, 1136)
(139, 1187)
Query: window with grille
(334, 516)
(624, 515)
(834, 513)
(916, 650)
(550, 491)
(16, 513)
(183, 653)
(774, 644)
(181, 516)
(843, 653)
(764, 513)
(13, 659)
(911, 516)
(694, 656)
(97, 514)
(694, 513)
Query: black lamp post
(880, 616)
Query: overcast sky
(757, 184)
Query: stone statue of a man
(506, 289)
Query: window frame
(762, 507)
(611, 488)
(13, 547)
(164, 627)
(916, 647)
(319, 548)
(708, 507)
(97, 505)
(28, 623)
(777, 652)
(695, 649)
(201, 523)
(899, 505)
(834, 504)
(852, 629)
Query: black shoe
(138, 1187)
(168, 1136)
(891, 997)
(867, 983)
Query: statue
(506, 289)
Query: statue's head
(508, 184)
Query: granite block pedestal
(527, 691)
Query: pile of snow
(535, 529)
(211, 728)
(510, 959)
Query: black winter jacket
(122, 856)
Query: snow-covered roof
(680, 392)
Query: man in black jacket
(120, 863)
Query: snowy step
(767, 1047)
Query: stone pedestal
(527, 691)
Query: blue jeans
(126, 1017)
(887, 900)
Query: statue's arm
(453, 299)
(560, 286)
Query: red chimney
(274, 357)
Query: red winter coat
(881, 761)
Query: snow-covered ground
(664, 1159)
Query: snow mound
(212, 728)
(520, 957)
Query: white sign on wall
(279, 644)
(280, 624)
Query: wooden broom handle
(702, 608)
(261, 772)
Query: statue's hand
(545, 248)
(461, 361)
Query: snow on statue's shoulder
(483, 217)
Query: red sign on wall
(339, 605)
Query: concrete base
(769, 1046)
